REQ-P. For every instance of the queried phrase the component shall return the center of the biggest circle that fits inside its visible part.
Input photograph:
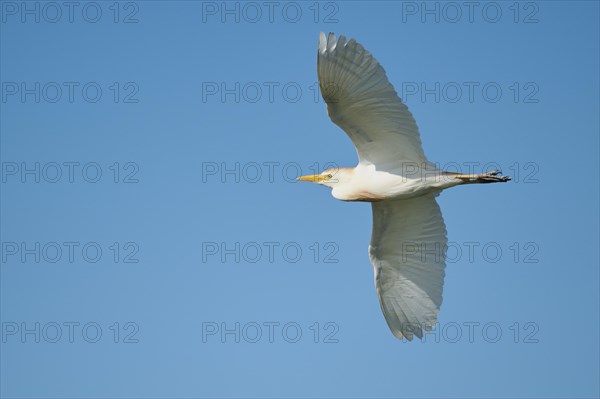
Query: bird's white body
(408, 241)
(366, 183)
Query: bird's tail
(489, 177)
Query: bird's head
(330, 177)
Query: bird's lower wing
(408, 254)
(361, 100)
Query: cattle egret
(409, 238)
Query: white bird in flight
(409, 239)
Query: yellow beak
(312, 178)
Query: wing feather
(408, 255)
(361, 100)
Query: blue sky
(155, 243)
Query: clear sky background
(139, 281)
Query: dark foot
(492, 177)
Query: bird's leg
(488, 177)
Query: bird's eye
(329, 176)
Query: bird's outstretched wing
(362, 101)
(408, 254)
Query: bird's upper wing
(408, 254)
(362, 101)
